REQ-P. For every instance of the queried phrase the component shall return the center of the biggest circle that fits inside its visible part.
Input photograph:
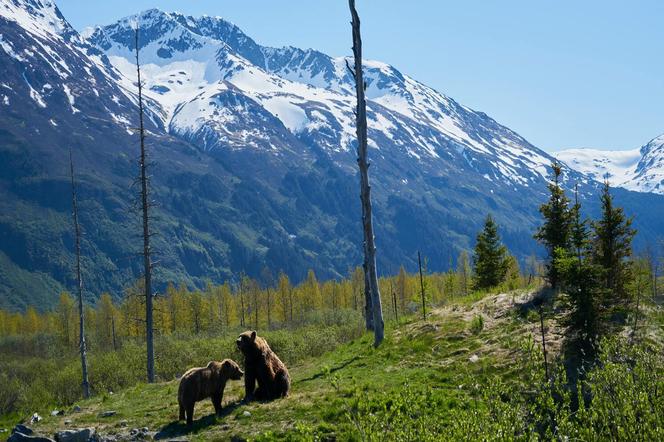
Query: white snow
(6, 46)
(43, 21)
(36, 96)
(5, 100)
(70, 97)
(310, 98)
(282, 107)
(616, 165)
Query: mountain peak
(40, 17)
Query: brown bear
(262, 364)
(205, 382)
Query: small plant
(477, 324)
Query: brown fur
(262, 365)
(205, 382)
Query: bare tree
(371, 278)
(424, 304)
(145, 209)
(79, 282)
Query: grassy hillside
(471, 370)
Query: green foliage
(30, 383)
(612, 246)
(477, 324)
(490, 257)
(626, 403)
(555, 232)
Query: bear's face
(230, 370)
(246, 342)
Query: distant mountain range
(254, 163)
(641, 170)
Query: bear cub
(205, 382)
(262, 365)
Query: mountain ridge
(252, 170)
(640, 169)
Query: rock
(108, 413)
(78, 435)
(35, 418)
(20, 428)
(68, 422)
(22, 437)
(123, 423)
(76, 409)
(245, 413)
(57, 413)
(225, 427)
(474, 358)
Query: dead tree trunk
(424, 299)
(365, 188)
(394, 303)
(241, 303)
(145, 206)
(269, 314)
(368, 310)
(79, 283)
(115, 345)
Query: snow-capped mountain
(193, 66)
(640, 170)
(254, 162)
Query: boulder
(77, 435)
(20, 428)
(20, 437)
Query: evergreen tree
(581, 278)
(612, 247)
(555, 232)
(490, 257)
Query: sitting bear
(262, 364)
(205, 382)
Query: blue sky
(560, 73)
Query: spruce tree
(555, 232)
(581, 279)
(612, 247)
(490, 257)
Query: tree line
(267, 303)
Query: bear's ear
(253, 335)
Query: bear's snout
(238, 375)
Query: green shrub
(477, 324)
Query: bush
(477, 324)
(626, 403)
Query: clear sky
(562, 73)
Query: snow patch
(70, 97)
